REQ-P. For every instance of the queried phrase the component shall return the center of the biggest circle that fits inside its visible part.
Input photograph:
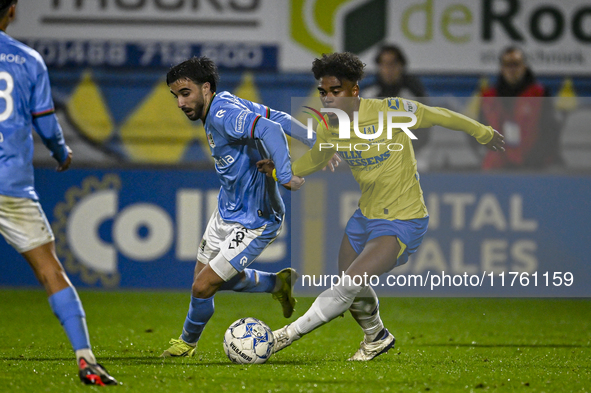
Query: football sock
(252, 281)
(327, 306)
(365, 309)
(380, 336)
(68, 309)
(200, 310)
(86, 354)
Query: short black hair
(511, 49)
(197, 69)
(344, 65)
(5, 5)
(394, 49)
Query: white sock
(327, 306)
(365, 310)
(87, 354)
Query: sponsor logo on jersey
(369, 130)
(240, 121)
(393, 103)
(220, 113)
(223, 161)
(354, 158)
(409, 106)
(210, 140)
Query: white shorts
(23, 223)
(229, 247)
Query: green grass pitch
(443, 345)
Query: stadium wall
(115, 117)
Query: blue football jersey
(24, 94)
(246, 196)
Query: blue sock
(200, 310)
(68, 309)
(254, 281)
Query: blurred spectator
(518, 107)
(392, 80)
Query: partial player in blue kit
(26, 103)
(250, 209)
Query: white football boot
(283, 338)
(368, 351)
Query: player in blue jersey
(26, 103)
(250, 209)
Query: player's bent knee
(348, 290)
(206, 283)
(202, 289)
(53, 278)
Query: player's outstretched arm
(497, 142)
(292, 127)
(295, 183)
(485, 135)
(333, 163)
(315, 159)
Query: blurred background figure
(519, 108)
(393, 80)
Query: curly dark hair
(197, 69)
(5, 5)
(344, 65)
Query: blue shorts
(361, 229)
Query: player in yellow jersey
(392, 218)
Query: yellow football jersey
(385, 168)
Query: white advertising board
(457, 36)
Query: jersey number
(5, 95)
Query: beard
(194, 112)
(192, 116)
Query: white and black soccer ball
(249, 341)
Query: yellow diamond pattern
(158, 132)
(88, 111)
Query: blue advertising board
(232, 56)
(129, 228)
(489, 234)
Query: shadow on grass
(451, 344)
(19, 359)
(157, 360)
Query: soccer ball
(249, 341)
